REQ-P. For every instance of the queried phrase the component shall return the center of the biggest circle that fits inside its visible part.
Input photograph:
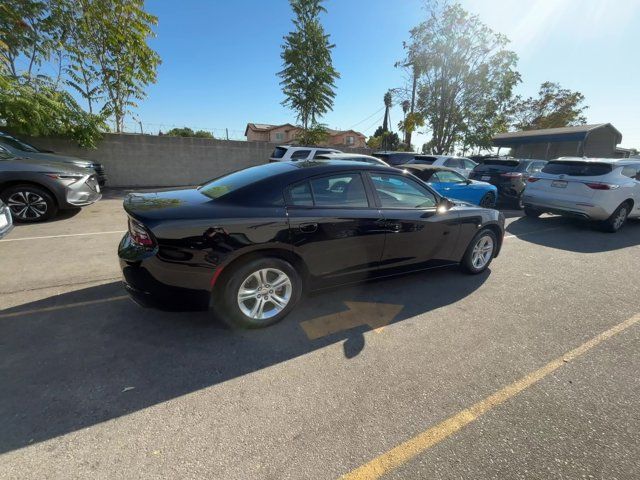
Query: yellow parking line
(404, 452)
(62, 307)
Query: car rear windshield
(578, 169)
(497, 166)
(279, 152)
(423, 160)
(222, 186)
(15, 143)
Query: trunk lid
(168, 205)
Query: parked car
(596, 189)
(285, 153)
(18, 148)
(451, 184)
(462, 165)
(34, 190)
(252, 241)
(395, 158)
(509, 176)
(6, 223)
(355, 157)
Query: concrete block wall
(152, 161)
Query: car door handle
(308, 227)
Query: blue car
(451, 184)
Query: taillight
(140, 235)
(601, 186)
(532, 179)
(511, 175)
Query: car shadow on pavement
(574, 235)
(88, 356)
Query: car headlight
(66, 178)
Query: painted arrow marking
(375, 315)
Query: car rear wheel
(260, 293)
(29, 204)
(488, 201)
(532, 212)
(617, 218)
(480, 251)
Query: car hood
(55, 158)
(16, 164)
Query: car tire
(488, 200)
(480, 252)
(263, 305)
(532, 212)
(518, 203)
(29, 203)
(617, 219)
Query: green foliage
(314, 135)
(187, 132)
(384, 140)
(554, 107)
(465, 77)
(44, 110)
(308, 76)
(411, 122)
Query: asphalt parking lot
(529, 370)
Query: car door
(334, 225)
(633, 172)
(419, 232)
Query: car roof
(391, 152)
(618, 161)
(302, 147)
(342, 155)
(423, 167)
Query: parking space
(95, 386)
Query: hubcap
(27, 205)
(264, 293)
(487, 201)
(622, 216)
(482, 251)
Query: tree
(316, 134)
(409, 124)
(388, 103)
(110, 45)
(554, 107)
(464, 75)
(188, 132)
(308, 76)
(384, 140)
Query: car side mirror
(444, 205)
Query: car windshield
(578, 169)
(423, 160)
(497, 166)
(18, 144)
(279, 152)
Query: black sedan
(249, 243)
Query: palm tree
(387, 105)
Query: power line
(377, 122)
(364, 120)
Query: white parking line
(113, 232)
(531, 233)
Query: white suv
(598, 189)
(462, 165)
(285, 153)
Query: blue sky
(220, 58)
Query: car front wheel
(480, 251)
(260, 293)
(29, 203)
(488, 201)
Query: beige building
(261, 132)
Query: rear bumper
(567, 208)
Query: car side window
(630, 171)
(453, 163)
(445, 176)
(468, 164)
(535, 167)
(300, 154)
(396, 191)
(341, 190)
(320, 152)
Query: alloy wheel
(27, 205)
(264, 294)
(482, 252)
(620, 218)
(488, 201)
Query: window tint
(339, 191)
(401, 192)
(300, 154)
(630, 171)
(227, 184)
(399, 158)
(279, 152)
(454, 163)
(535, 167)
(301, 195)
(448, 177)
(578, 169)
(321, 152)
(468, 164)
(423, 160)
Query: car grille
(102, 178)
(92, 181)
